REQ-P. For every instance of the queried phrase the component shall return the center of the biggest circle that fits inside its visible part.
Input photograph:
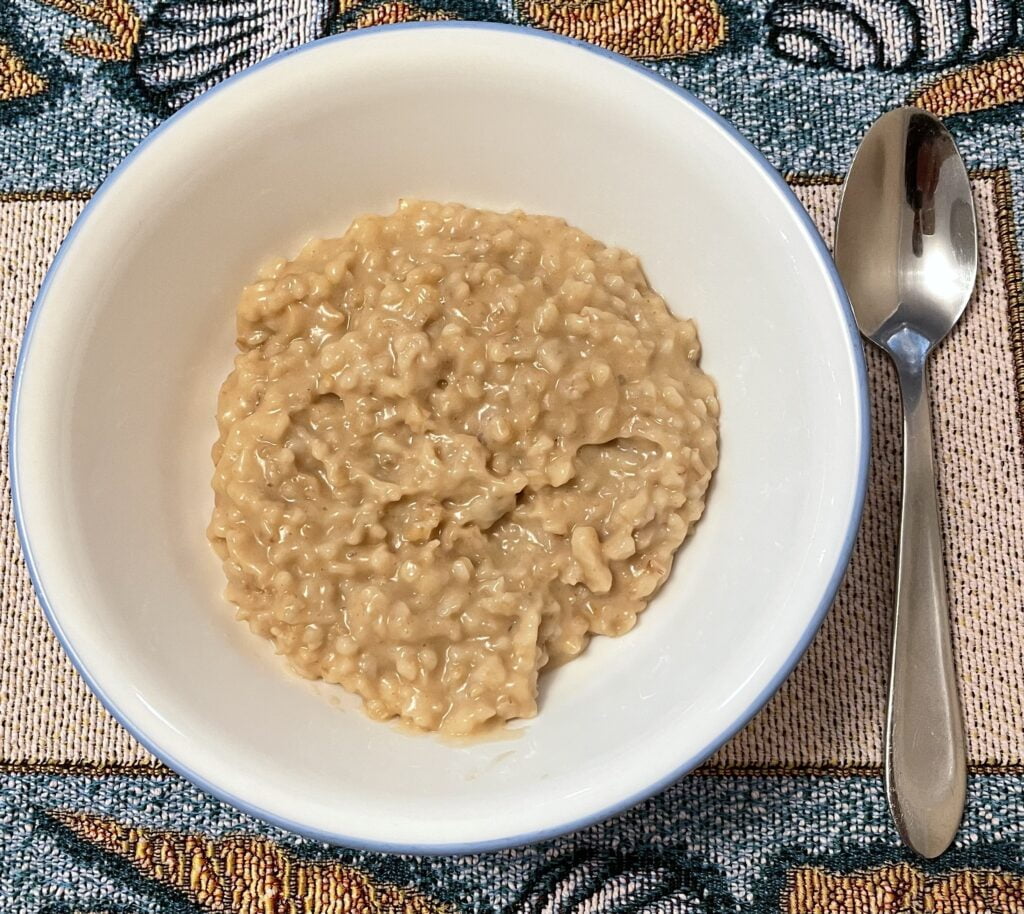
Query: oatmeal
(454, 445)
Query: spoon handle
(926, 769)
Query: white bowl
(132, 335)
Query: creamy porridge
(454, 445)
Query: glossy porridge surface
(454, 445)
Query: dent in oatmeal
(454, 445)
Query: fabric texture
(790, 815)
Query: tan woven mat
(828, 715)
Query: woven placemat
(828, 715)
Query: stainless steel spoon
(906, 247)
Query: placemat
(790, 815)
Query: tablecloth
(790, 815)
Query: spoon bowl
(906, 241)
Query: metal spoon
(906, 247)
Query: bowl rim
(810, 236)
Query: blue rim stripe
(855, 352)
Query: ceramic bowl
(132, 334)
